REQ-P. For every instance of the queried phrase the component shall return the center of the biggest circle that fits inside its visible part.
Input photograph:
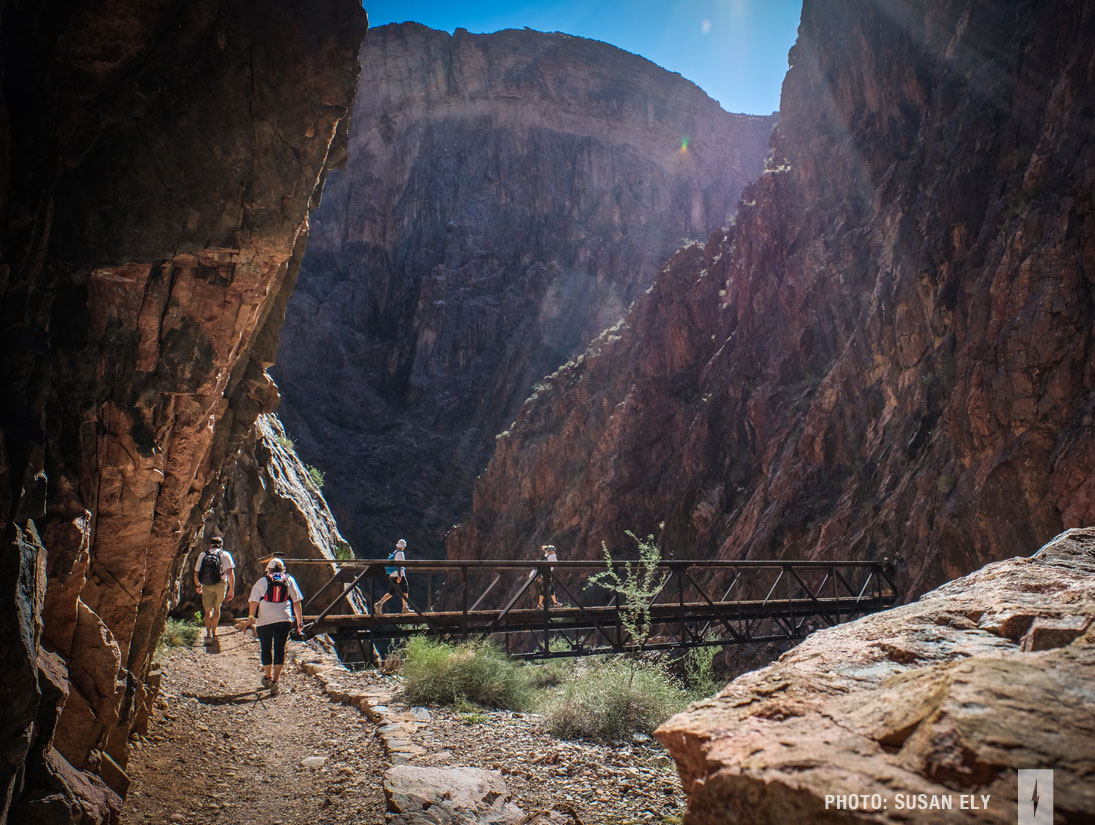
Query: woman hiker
(273, 607)
(546, 584)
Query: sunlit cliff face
(866, 365)
(506, 198)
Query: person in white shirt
(546, 585)
(215, 581)
(397, 578)
(273, 606)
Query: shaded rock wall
(506, 197)
(269, 507)
(892, 350)
(159, 162)
(948, 697)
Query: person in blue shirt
(397, 578)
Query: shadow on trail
(241, 698)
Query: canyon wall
(505, 199)
(269, 506)
(159, 163)
(937, 703)
(890, 354)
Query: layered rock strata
(892, 351)
(506, 198)
(923, 713)
(160, 160)
(270, 505)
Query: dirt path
(231, 758)
(218, 754)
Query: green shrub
(550, 673)
(699, 672)
(477, 672)
(613, 700)
(285, 441)
(316, 476)
(343, 552)
(177, 633)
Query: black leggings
(272, 640)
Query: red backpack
(277, 588)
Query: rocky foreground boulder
(926, 713)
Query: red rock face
(890, 353)
(506, 198)
(924, 713)
(163, 159)
(270, 506)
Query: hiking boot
(267, 681)
(273, 688)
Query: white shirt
(226, 561)
(400, 572)
(549, 557)
(273, 612)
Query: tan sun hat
(275, 564)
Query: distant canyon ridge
(891, 353)
(506, 198)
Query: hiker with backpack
(397, 577)
(215, 580)
(545, 585)
(273, 607)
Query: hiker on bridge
(397, 577)
(546, 585)
(215, 581)
(273, 606)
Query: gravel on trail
(220, 753)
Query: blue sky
(735, 50)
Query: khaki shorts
(213, 594)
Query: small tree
(636, 589)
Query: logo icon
(1035, 797)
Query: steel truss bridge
(698, 603)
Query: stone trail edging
(422, 795)
(396, 724)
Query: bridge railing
(698, 602)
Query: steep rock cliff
(505, 199)
(891, 353)
(947, 697)
(159, 162)
(270, 506)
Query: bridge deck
(694, 604)
(534, 618)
